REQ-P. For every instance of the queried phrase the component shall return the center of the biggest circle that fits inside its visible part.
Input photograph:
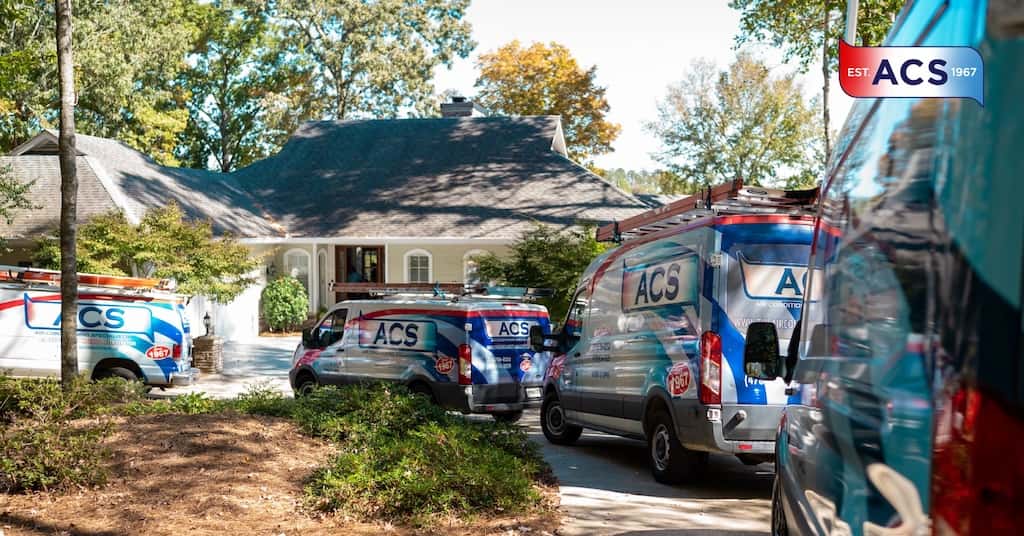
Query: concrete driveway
(606, 488)
(264, 361)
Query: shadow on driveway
(606, 487)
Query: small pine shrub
(284, 304)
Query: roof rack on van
(729, 198)
(41, 277)
(444, 290)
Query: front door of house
(358, 264)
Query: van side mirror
(761, 357)
(308, 340)
(537, 340)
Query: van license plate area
(532, 392)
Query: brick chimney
(462, 107)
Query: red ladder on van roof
(29, 276)
(729, 198)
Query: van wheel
(509, 417)
(553, 423)
(671, 462)
(779, 525)
(116, 372)
(305, 387)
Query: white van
(128, 327)
(652, 346)
(470, 355)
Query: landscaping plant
(284, 304)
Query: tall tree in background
(546, 80)
(68, 197)
(126, 60)
(245, 94)
(810, 30)
(374, 59)
(717, 126)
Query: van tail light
(176, 352)
(977, 478)
(465, 365)
(710, 368)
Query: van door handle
(577, 354)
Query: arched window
(470, 265)
(419, 266)
(296, 264)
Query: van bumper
(700, 427)
(488, 398)
(187, 377)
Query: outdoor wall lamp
(207, 322)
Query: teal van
(909, 366)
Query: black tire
(305, 385)
(510, 417)
(671, 462)
(117, 372)
(423, 389)
(780, 527)
(553, 424)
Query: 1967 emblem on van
(679, 379)
(444, 364)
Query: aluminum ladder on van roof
(40, 277)
(729, 198)
(444, 290)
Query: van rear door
(765, 280)
(506, 359)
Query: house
(385, 201)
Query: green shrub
(284, 303)
(52, 438)
(403, 457)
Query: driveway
(263, 362)
(606, 487)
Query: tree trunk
(825, 87)
(68, 198)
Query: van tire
(671, 462)
(306, 384)
(553, 423)
(510, 417)
(116, 372)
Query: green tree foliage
(127, 55)
(193, 81)
(13, 195)
(546, 258)
(810, 30)
(717, 126)
(659, 181)
(163, 245)
(284, 303)
(377, 58)
(246, 94)
(546, 80)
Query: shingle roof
(449, 177)
(135, 183)
(466, 177)
(93, 198)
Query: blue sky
(639, 47)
